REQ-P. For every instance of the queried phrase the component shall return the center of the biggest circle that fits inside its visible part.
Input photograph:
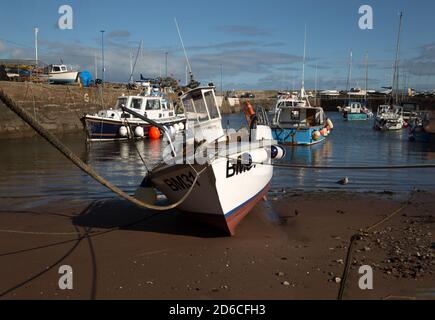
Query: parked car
(247, 95)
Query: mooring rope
(324, 167)
(358, 236)
(83, 166)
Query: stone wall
(58, 108)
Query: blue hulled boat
(423, 128)
(300, 124)
(115, 124)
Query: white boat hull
(63, 77)
(223, 195)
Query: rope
(357, 236)
(303, 166)
(35, 233)
(83, 166)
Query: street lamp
(166, 64)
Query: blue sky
(259, 43)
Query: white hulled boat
(235, 168)
(117, 124)
(59, 74)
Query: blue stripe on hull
(296, 136)
(356, 116)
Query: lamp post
(222, 83)
(36, 45)
(166, 64)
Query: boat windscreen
(136, 104)
(122, 102)
(153, 104)
(189, 110)
(211, 105)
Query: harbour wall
(57, 107)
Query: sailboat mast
(367, 77)
(394, 91)
(303, 64)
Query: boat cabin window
(153, 104)
(285, 104)
(63, 68)
(189, 110)
(125, 116)
(56, 69)
(136, 103)
(122, 102)
(211, 105)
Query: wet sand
(291, 247)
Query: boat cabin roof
(200, 105)
(143, 103)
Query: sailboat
(295, 121)
(390, 116)
(355, 110)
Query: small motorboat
(296, 122)
(117, 124)
(355, 111)
(59, 74)
(233, 168)
(389, 117)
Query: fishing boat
(296, 122)
(59, 74)
(422, 128)
(234, 170)
(389, 117)
(117, 124)
(355, 110)
(300, 124)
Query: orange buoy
(154, 133)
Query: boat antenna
(396, 63)
(135, 61)
(303, 64)
(184, 49)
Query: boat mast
(303, 64)
(349, 76)
(394, 90)
(184, 49)
(367, 77)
